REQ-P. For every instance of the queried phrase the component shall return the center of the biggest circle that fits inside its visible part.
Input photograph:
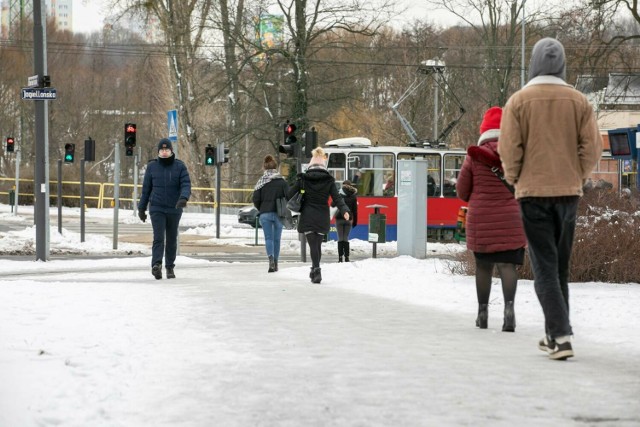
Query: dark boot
(483, 316)
(311, 273)
(170, 273)
(346, 251)
(509, 324)
(272, 265)
(317, 277)
(275, 265)
(156, 270)
(340, 251)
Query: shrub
(606, 245)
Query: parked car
(248, 215)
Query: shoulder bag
(295, 203)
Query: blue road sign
(39, 94)
(172, 122)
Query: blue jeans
(550, 226)
(164, 224)
(272, 228)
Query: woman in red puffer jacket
(494, 228)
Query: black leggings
(484, 274)
(315, 247)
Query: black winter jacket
(318, 185)
(348, 193)
(165, 181)
(264, 199)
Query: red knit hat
(491, 119)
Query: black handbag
(295, 203)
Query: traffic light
(223, 153)
(129, 138)
(11, 145)
(209, 155)
(69, 152)
(290, 147)
(310, 141)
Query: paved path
(233, 346)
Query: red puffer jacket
(493, 219)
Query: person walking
(344, 226)
(166, 189)
(549, 145)
(270, 187)
(318, 185)
(494, 228)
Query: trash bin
(12, 197)
(461, 225)
(377, 228)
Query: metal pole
(59, 201)
(82, 200)
(522, 49)
(17, 185)
(41, 173)
(136, 159)
(218, 194)
(435, 108)
(116, 195)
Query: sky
(88, 15)
(387, 341)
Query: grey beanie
(547, 59)
(165, 143)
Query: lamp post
(522, 49)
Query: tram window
(452, 166)
(335, 166)
(371, 172)
(336, 160)
(433, 170)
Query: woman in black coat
(344, 226)
(318, 185)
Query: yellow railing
(104, 197)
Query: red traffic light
(10, 145)
(130, 128)
(290, 129)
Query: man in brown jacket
(549, 145)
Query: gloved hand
(182, 203)
(142, 215)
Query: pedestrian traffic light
(69, 152)
(209, 155)
(310, 142)
(223, 153)
(290, 147)
(129, 138)
(289, 133)
(11, 145)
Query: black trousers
(164, 224)
(549, 224)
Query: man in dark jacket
(166, 188)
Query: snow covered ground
(387, 341)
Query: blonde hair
(318, 152)
(269, 162)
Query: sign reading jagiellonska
(39, 94)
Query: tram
(373, 171)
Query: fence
(101, 195)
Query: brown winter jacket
(549, 139)
(493, 218)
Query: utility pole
(41, 172)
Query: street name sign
(39, 94)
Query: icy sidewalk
(380, 343)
